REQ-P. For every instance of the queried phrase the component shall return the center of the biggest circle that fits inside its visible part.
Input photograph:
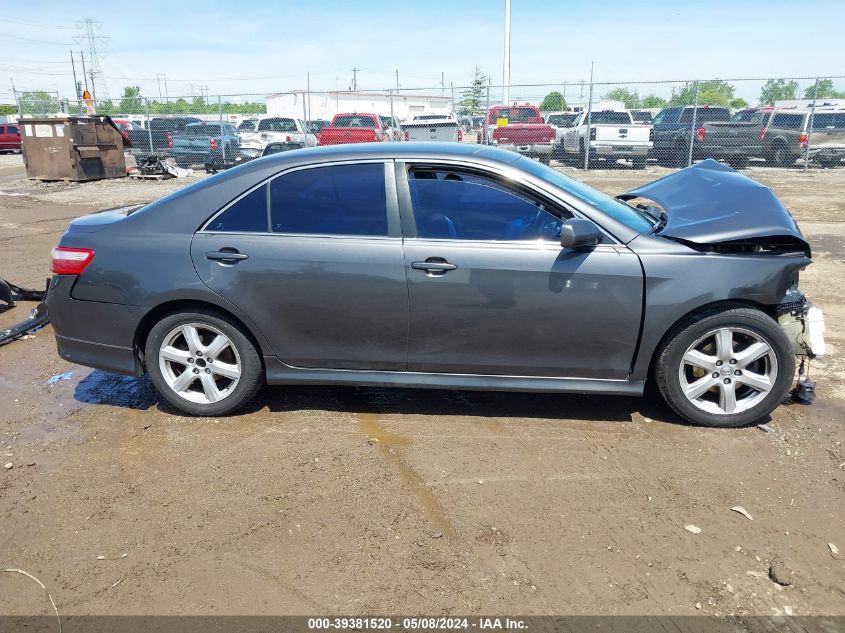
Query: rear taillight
(288, 138)
(651, 134)
(407, 136)
(802, 139)
(700, 134)
(762, 133)
(70, 261)
(460, 135)
(169, 138)
(592, 134)
(214, 145)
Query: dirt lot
(363, 501)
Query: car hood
(709, 203)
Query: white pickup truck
(611, 134)
(256, 134)
(433, 128)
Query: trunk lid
(524, 133)
(343, 135)
(432, 131)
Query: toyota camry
(443, 266)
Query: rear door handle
(227, 256)
(433, 266)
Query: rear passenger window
(336, 200)
(247, 215)
(788, 121)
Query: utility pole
(355, 78)
(75, 83)
(15, 94)
(397, 79)
(506, 74)
(84, 75)
(158, 79)
(442, 83)
(308, 94)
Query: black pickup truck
(158, 139)
(711, 132)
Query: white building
(324, 105)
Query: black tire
(667, 364)
(782, 157)
(738, 162)
(830, 163)
(638, 163)
(582, 157)
(545, 158)
(680, 156)
(252, 370)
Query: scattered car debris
(67, 375)
(8, 465)
(766, 428)
(834, 550)
(155, 167)
(743, 512)
(104, 557)
(780, 573)
(788, 611)
(694, 529)
(38, 318)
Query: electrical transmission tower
(90, 26)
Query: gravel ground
(362, 501)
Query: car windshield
(202, 129)
(516, 115)
(561, 120)
(619, 211)
(430, 117)
(641, 116)
(247, 125)
(610, 117)
(353, 120)
(704, 114)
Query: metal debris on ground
(766, 428)
(38, 318)
(156, 167)
(694, 529)
(833, 550)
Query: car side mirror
(578, 233)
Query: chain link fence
(779, 122)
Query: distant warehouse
(324, 105)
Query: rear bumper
(92, 333)
(620, 150)
(531, 149)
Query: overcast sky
(268, 46)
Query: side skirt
(280, 374)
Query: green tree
(778, 90)
(653, 101)
(738, 103)
(712, 92)
(630, 98)
(474, 96)
(131, 102)
(825, 90)
(553, 102)
(8, 108)
(38, 102)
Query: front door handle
(434, 265)
(226, 256)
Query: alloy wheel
(728, 370)
(199, 363)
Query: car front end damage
(749, 238)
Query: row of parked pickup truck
(674, 135)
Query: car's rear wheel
(782, 157)
(203, 363)
(726, 368)
(638, 162)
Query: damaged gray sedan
(435, 266)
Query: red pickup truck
(353, 128)
(520, 128)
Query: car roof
(399, 151)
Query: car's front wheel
(203, 362)
(726, 368)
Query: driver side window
(462, 205)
